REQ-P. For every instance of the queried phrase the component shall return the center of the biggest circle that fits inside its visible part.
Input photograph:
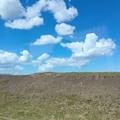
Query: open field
(60, 96)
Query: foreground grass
(57, 107)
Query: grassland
(60, 96)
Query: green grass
(83, 73)
(58, 107)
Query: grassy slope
(58, 96)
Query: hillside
(60, 96)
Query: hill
(60, 96)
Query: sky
(59, 36)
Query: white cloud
(22, 19)
(18, 68)
(19, 17)
(31, 17)
(52, 63)
(11, 9)
(64, 29)
(7, 57)
(90, 42)
(40, 59)
(10, 59)
(35, 9)
(62, 62)
(10, 62)
(11, 70)
(73, 46)
(92, 47)
(60, 11)
(24, 23)
(43, 57)
(47, 39)
(82, 52)
(26, 57)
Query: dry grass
(58, 96)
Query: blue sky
(59, 36)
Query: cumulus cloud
(73, 46)
(82, 52)
(24, 23)
(32, 17)
(7, 57)
(52, 63)
(47, 39)
(92, 47)
(26, 57)
(11, 62)
(19, 17)
(60, 11)
(8, 62)
(9, 70)
(35, 9)
(62, 62)
(64, 29)
(40, 59)
(11, 9)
